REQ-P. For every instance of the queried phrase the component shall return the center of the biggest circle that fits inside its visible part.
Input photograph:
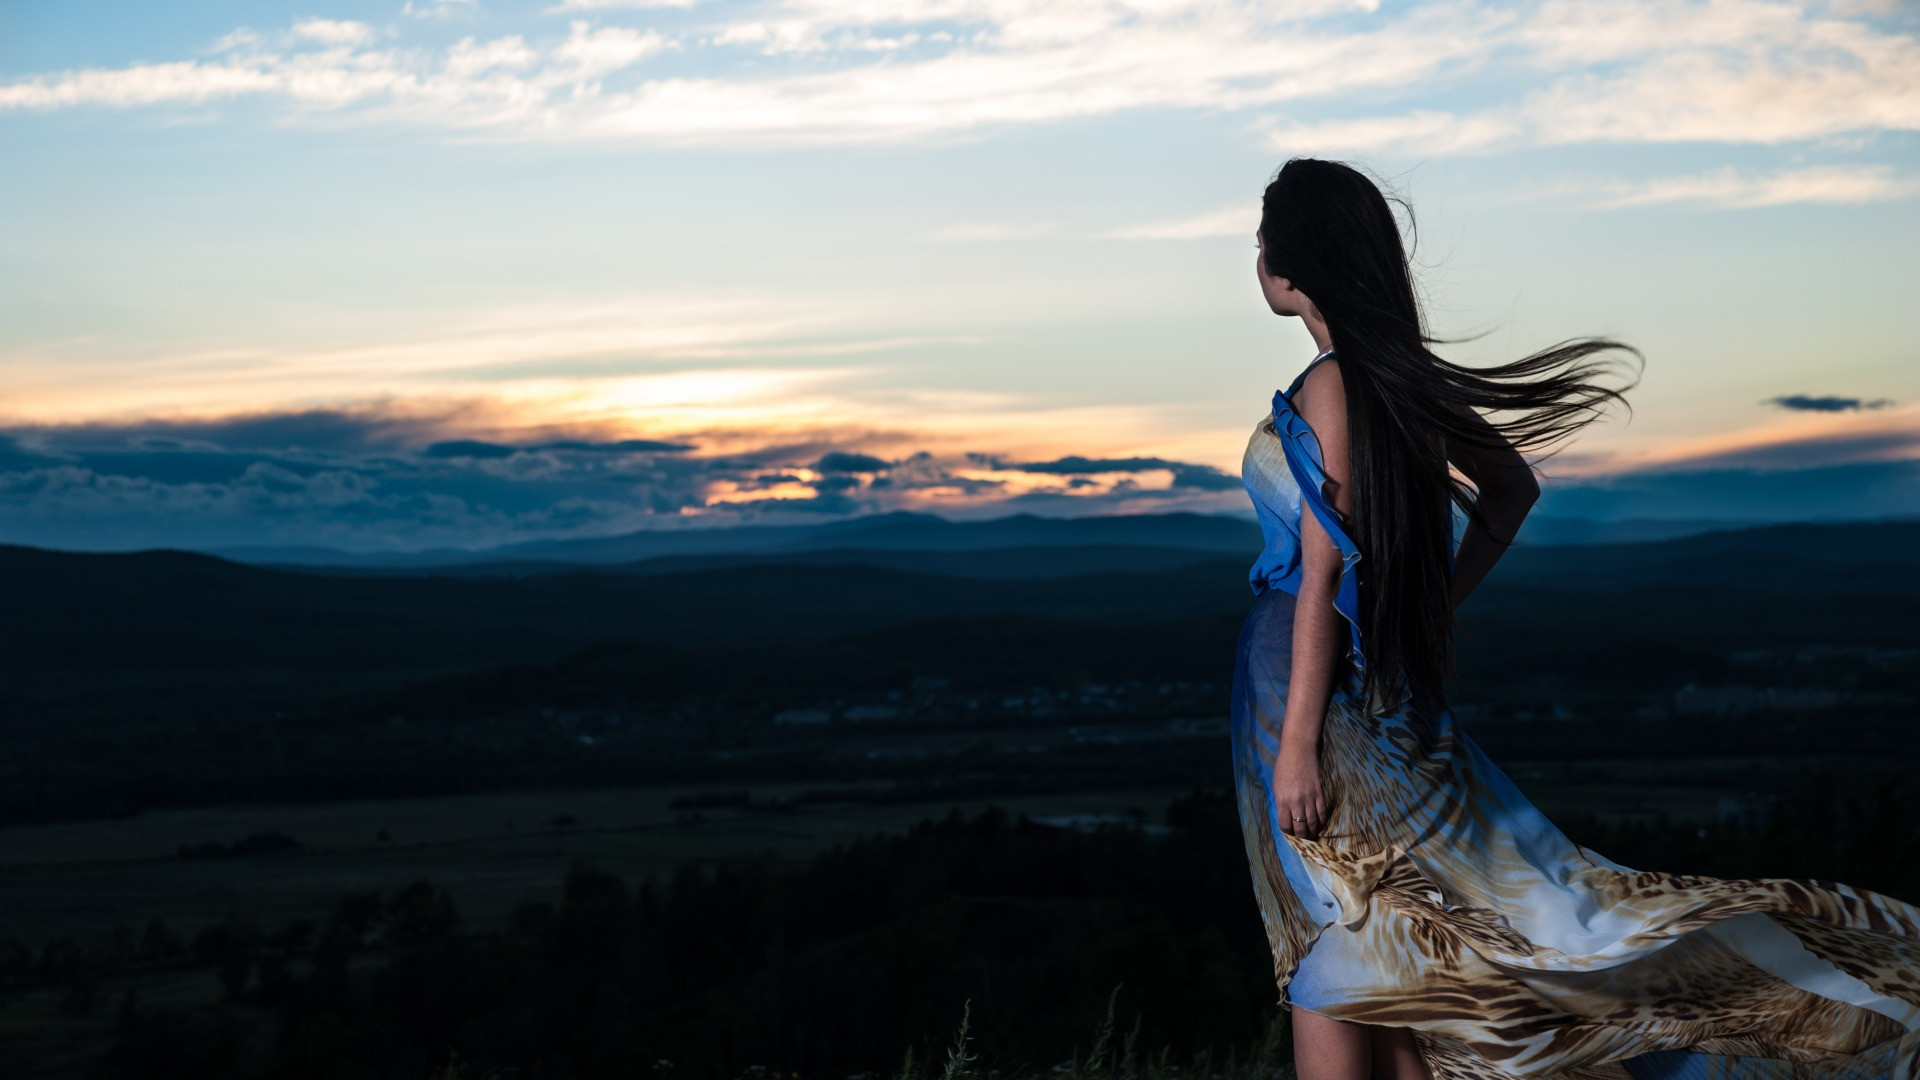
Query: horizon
(1551, 530)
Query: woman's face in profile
(1281, 296)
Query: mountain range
(1153, 540)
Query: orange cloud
(1794, 440)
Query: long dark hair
(1327, 227)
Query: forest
(811, 811)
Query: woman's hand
(1296, 791)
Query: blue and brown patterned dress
(1437, 898)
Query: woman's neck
(1317, 326)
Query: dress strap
(1298, 379)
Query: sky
(459, 273)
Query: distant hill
(902, 531)
(1032, 561)
(1166, 534)
(179, 616)
(1547, 530)
(1855, 558)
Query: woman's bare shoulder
(1322, 402)
(1322, 372)
(1322, 395)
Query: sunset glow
(663, 260)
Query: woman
(1426, 920)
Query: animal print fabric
(1437, 898)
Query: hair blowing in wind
(1328, 228)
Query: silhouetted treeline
(833, 968)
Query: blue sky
(269, 268)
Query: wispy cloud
(617, 5)
(1229, 221)
(1807, 436)
(1743, 71)
(1661, 71)
(1420, 132)
(668, 350)
(989, 232)
(1815, 451)
(336, 67)
(334, 31)
(1733, 189)
(1234, 221)
(439, 9)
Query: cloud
(1184, 474)
(659, 410)
(968, 234)
(391, 478)
(637, 353)
(617, 446)
(334, 31)
(1752, 73)
(1233, 221)
(475, 448)
(589, 53)
(1421, 132)
(840, 462)
(1082, 465)
(1731, 189)
(415, 478)
(331, 66)
(1809, 403)
(1816, 451)
(1660, 71)
(1566, 71)
(1812, 433)
(361, 429)
(1228, 221)
(566, 6)
(468, 448)
(439, 9)
(17, 456)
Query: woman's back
(1285, 472)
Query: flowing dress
(1436, 897)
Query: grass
(1268, 1059)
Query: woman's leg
(1395, 1055)
(1328, 1049)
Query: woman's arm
(1319, 630)
(1508, 489)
